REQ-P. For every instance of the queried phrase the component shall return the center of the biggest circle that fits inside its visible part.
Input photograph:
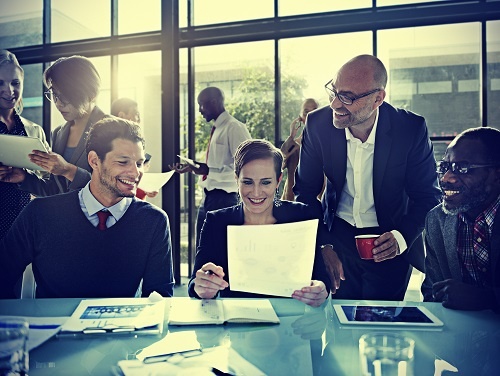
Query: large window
(73, 20)
(434, 71)
(493, 61)
(20, 23)
(267, 56)
(308, 63)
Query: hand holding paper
(152, 182)
(272, 259)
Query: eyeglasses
(49, 94)
(458, 168)
(345, 99)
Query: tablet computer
(358, 314)
(14, 151)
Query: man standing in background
(217, 173)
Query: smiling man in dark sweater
(77, 251)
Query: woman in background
(73, 85)
(291, 147)
(13, 200)
(258, 173)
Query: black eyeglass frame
(459, 168)
(345, 99)
(52, 97)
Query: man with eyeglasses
(381, 179)
(462, 234)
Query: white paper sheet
(271, 259)
(223, 358)
(172, 343)
(153, 181)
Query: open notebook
(216, 311)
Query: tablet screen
(385, 315)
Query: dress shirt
(228, 134)
(356, 204)
(90, 206)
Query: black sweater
(72, 258)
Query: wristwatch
(326, 245)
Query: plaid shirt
(473, 245)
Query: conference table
(308, 341)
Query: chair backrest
(28, 287)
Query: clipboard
(14, 151)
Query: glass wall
(21, 23)
(139, 78)
(243, 47)
(32, 93)
(74, 20)
(493, 65)
(222, 11)
(130, 18)
(308, 63)
(434, 71)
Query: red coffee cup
(364, 244)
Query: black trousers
(214, 199)
(367, 279)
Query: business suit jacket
(59, 184)
(442, 260)
(405, 185)
(213, 242)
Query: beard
(106, 179)
(472, 199)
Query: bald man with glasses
(381, 179)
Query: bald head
(367, 68)
(211, 103)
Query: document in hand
(271, 259)
(185, 311)
(117, 315)
(151, 181)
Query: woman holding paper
(12, 200)
(258, 174)
(73, 85)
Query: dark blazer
(405, 185)
(442, 261)
(213, 242)
(59, 184)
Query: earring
(277, 201)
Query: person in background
(127, 108)
(99, 241)
(380, 179)
(462, 234)
(291, 147)
(257, 169)
(217, 174)
(73, 85)
(13, 200)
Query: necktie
(208, 149)
(103, 216)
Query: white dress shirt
(357, 205)
(228, 134)
(90, 206)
